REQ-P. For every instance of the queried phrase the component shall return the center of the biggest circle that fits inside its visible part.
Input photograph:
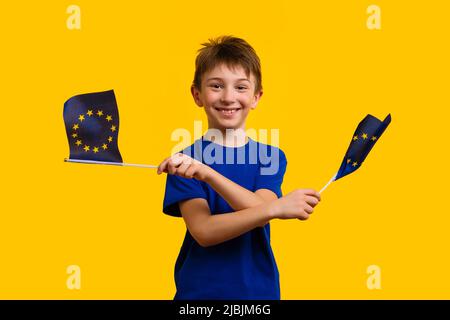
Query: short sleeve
(272, 172)
(179, 189)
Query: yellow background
(323, 71)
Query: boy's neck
(227, 137)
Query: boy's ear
(196, 95)
(256, 99)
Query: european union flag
(92, 126)
(366, 135)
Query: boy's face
(227, 95)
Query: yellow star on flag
(113, 128)
(95, 149)
(90, 113)
(373, 138)
(108, 118)
(364, 136)
(355, 164)
(75, 126)
(109, 139)
(86, 148)
(78, 142)
(104, 146)
(74, 135)
(81, 117)
(355, 138)
(99, 113)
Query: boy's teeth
(230, 111)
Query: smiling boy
(228, 201)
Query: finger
(304, 216)
(312, 201)
(309, 192)
(182, 169)
(163, 166)
(171, 168)
(308, 209)
(173, 163)
(312, 192)
(190, 172)
(177, 159)
(318, 196)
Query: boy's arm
(237, 197)
(210, 230)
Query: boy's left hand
(184, 166)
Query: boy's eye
(216, 86)
(241, 88)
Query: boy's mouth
(228, 111)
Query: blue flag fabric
(366, 135)
(92, 126)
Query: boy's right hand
(184, 166)
(298, 204)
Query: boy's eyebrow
(217, 78)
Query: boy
(227, 202)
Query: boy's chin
(230, 123)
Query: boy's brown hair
(232, 52)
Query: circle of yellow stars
(79, 142)
(363, 136)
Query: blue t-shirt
(243, 267)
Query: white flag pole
(328, 183)
(111, 163)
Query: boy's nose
(227, 97)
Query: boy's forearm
(237, 197)
(222, 227)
